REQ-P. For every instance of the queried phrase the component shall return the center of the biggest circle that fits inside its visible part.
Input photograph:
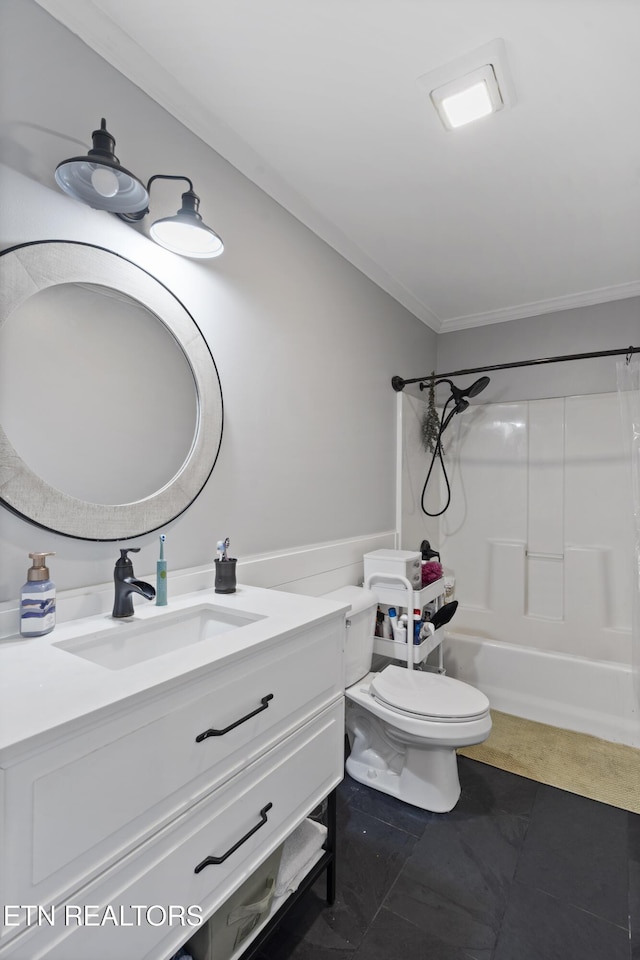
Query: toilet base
(424, 777)
(411, 758)
(424, 774)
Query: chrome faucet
(127, 585)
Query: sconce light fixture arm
(141, 214)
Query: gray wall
(305, 345)
(607, 326)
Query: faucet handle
(123, 553)
(124, 560)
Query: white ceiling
(534, 209)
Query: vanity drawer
(85, 801)
(241, 823)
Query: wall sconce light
(102, 183)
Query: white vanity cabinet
(124, 826)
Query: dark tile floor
(517, 871)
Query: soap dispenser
(38, 599)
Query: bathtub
(589, 696)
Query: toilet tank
(361, 624)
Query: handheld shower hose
(460, 403)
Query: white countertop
(43, 688)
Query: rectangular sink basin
(125, 643)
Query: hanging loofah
(430, 420)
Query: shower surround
(540, 538)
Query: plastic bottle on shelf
(449, 585)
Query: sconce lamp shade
(185, 233)
(98, 179)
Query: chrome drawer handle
(208, 861)
(221, 733)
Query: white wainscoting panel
(311, 570)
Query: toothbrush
(161, 576)
(221, 549)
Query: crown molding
(587, 298)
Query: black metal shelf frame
(326, 863)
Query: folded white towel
(298, 853)
(296, 880)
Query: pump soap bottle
(38, 599)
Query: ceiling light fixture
(469, 98)
(102, 183)
(471, 87)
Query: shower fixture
(459, 396)
(460, 403)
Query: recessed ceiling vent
(471, 87)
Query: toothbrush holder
(225, 575)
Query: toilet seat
(428, 696)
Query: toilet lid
(428, 695)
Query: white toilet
(404, 726)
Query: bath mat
(576, 762)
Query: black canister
(226, 575)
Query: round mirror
(106, 385)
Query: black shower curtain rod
(399, 384)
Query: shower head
(459, 397)
(477, 387)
